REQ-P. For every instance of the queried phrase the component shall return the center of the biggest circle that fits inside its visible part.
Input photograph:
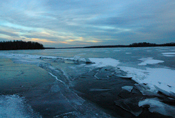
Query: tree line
(145, 44)
(141, 44)
(20, 45)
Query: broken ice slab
(130, 105)
(128, 88)
(155, 105)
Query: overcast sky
(63, 23)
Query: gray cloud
(9, 33)
(111, 22)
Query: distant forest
(20, 45)
(142, 44)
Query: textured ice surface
(157, 106)
(117, 50)
(13, 106)
(149, 60)
(128, 53)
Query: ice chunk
(130, 105)
(157, 106)
(128, 88)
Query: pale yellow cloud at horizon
(93, 41)
(42, 40)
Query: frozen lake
(99, 82)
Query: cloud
(9, 33)
(42, 40)
(97, 22)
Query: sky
(67, 23)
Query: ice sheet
(149, 60)
(117, 50)
(24, 56)
(157, 106)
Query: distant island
(141, 44)
(20, 45)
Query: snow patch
(102, 62)
(156, 79)
(161, 78)
(149, 60)
(169, 54)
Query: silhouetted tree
(17, 45)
